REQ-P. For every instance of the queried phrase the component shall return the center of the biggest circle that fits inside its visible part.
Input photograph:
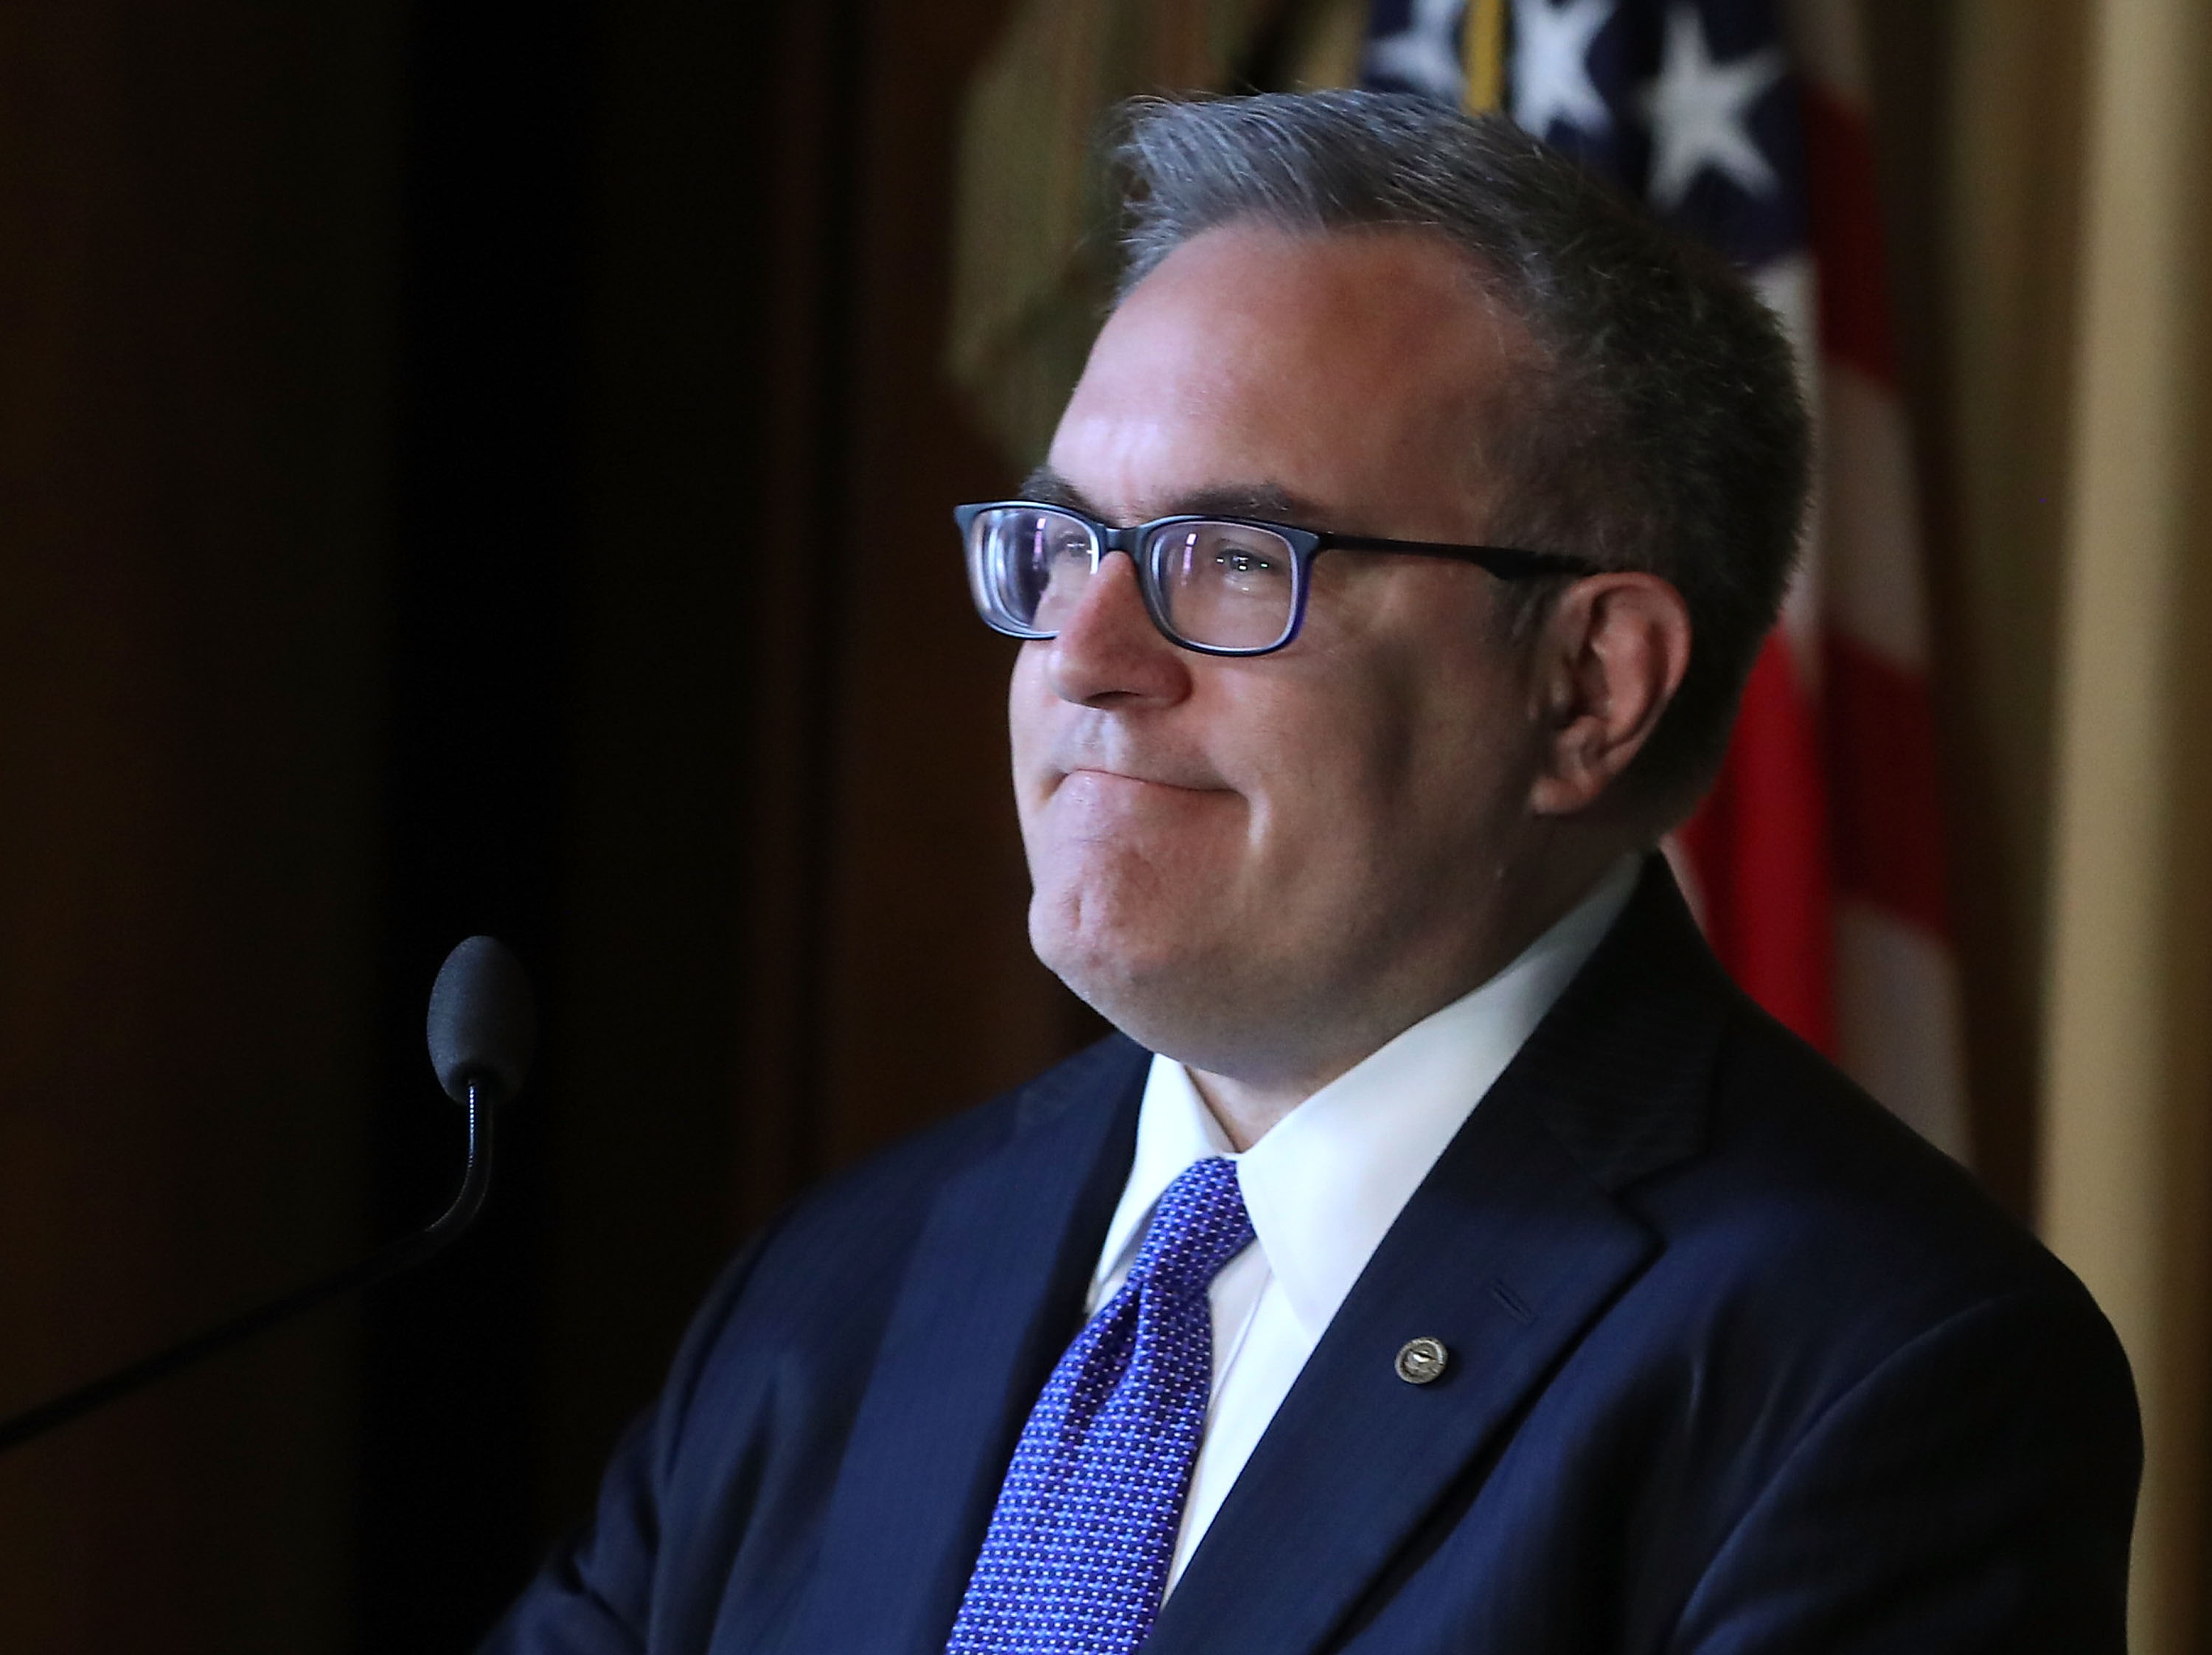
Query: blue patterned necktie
(1076, 1559)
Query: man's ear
(1608, 658)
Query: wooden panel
(794, 905)
(195, 215)
(937, 1001)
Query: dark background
(462, 467)
(467, 467)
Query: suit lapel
(1511, 1247)
(994, 1292)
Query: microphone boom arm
(403, 1255)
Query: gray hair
(1663, 430)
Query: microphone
(483, 1026)
(483, 1030)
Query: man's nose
(1109, 651)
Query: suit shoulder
(864, 1218)
(1097, 1076)
(1806, 1173)
(824, 1272)
(1815, 1249)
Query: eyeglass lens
(1227, 586)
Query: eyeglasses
(1221, 586)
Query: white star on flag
(1424, 55)
(1698, 109)
(1550, 65)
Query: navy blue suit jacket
(1737, 1364)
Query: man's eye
(1240, 560)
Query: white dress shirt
(1327, 1181)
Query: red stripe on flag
(1760, 846)
(1845, 211)
(1882, 765)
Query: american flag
(1816, 865)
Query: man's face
(1274, 864)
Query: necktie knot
(1198, 1226)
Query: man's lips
(1100, 776)
(1135, 781)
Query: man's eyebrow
(1269, 499)
(1048, 487)
(1264, 500)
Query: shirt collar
(1325, 1185)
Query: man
(1445, 1257)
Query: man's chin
(1167, 1000)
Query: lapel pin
(1422, 1360)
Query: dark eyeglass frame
(1503, 562)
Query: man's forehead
(1339, 381)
